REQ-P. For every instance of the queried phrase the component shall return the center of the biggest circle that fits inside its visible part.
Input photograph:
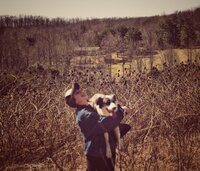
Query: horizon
(76, 9)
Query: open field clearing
(143, 64)
(160, 60)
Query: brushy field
(169, 57)
(38, 131)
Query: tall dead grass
(38, 131)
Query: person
(93, 126)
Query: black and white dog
(106, 105)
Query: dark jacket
(93, 126)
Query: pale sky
(94, 8)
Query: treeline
(180, 30)
(25, 40)
(26, 21)
(29, 21)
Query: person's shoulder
(82, 109)
(85, 112)
(85, 109)
(82, 112)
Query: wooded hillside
(26, 40)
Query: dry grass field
(38, 131)
(144, 63)
(167, 57)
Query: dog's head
(107, 102)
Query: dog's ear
(100, 102)
(113, 97)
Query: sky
(88, 9)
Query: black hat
(69, 95)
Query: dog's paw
(126, 109)
(120, 145)
(108, 153)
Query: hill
(27, 40)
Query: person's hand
(126, 109)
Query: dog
(106, 105)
